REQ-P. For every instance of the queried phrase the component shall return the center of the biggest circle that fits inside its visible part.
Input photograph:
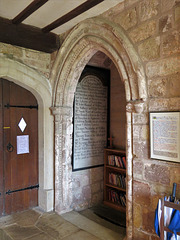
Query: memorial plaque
(165, 135)
(90, 123)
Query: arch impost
(139, 106)
(135, 106)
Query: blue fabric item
(169, 235)
(174, 225)
(156, 222)
(175, 222)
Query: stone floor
(36, 225)
(107, 213)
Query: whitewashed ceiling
(51, 11)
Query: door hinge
(19, 106)
(22, 189)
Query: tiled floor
(36, 225)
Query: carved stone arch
(112, 39)
(41, 88)
(88, 37)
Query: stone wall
(87, 188)
(153, 27)
(40, 61)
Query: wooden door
(18, 148)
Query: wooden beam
(72, 14)
(32, 7)
(28, 37)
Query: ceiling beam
(72, 14)
(32, 7)
(28, 37)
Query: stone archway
(90, 36)
(40, 87)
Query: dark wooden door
(18, 148)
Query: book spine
(117, 161)
(124, 161)
(118, 198)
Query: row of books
(117, 161)
(118, 180)
(117, 197)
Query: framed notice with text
(165, 136)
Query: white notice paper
(22, 144)
(165, 135)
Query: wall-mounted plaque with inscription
(90, 123)
(165, 135)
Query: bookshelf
(115, 179)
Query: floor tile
(55, 226)
(6, 220)
(26, 218)
(92, 227)
(81, 235)
(17, 232)
(88, 213)
(41, 236)
(36, 225)
(4, 236)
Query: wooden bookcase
(115, 179)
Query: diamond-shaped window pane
(22, 124)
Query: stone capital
(129, 107)
(135, 107)
(139, 106)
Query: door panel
(1, 152)
(20, 170)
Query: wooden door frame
(39, 86)
(20, 170)
(1, 153)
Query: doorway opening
(19, 149)
(39, 86)
(88, 183)
(90, 36)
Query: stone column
(129, 176)
(63, 152)
(131, 108)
